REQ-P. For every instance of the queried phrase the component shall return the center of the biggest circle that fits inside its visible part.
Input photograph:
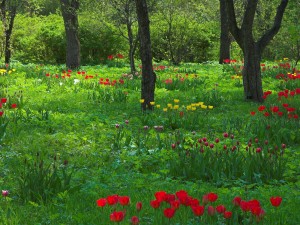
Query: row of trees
(237, 20)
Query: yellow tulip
(142, 100)
(176, 106)
(152, 103)
(165, 109)
(176, 100)
(210, 107)
(158, 106)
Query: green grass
(56, 118)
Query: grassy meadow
(75, 147)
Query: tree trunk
(224, 36)
(69, 13)
(252, 74)
(8, 14)
(148, 75)
(132, 47)
(8, 33)
(252, 50)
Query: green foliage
(39, 39)
(40, 180)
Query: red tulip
(135, 220)
(160, 195)
(261, 108)
(139, 206)
(198, 210)
(117, 216)
(169, 212)
(5, 193)
(155, 203)
(175, 204)
(1, 113)
(124, 200)
(212, 197)
(220, 209)
(101, 202)
(3, 100)
(211, 210)
(237, 200)
(227, 214)
(275, 201)
(14, 105)
(112, 199)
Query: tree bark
(148, 75)
(8, 14)
(132, 47)
(224, 36)
(252, 50)
(69, 12)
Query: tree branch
(268, 36)
(248, 19)
(234, 30)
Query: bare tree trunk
(148, 75)
(132, 47)
(224, 37)
(252, 74)
(252, 50)
(69, 12)
(8, 14)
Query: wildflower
(275, 201)
(142, 100)
(158, 106)
(210, 107)
(117, 125)
(176, 106)
(165, 109)
(173, 146)
(176, 100)
(152, 103)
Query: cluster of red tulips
(282, 108)
(173, 202)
